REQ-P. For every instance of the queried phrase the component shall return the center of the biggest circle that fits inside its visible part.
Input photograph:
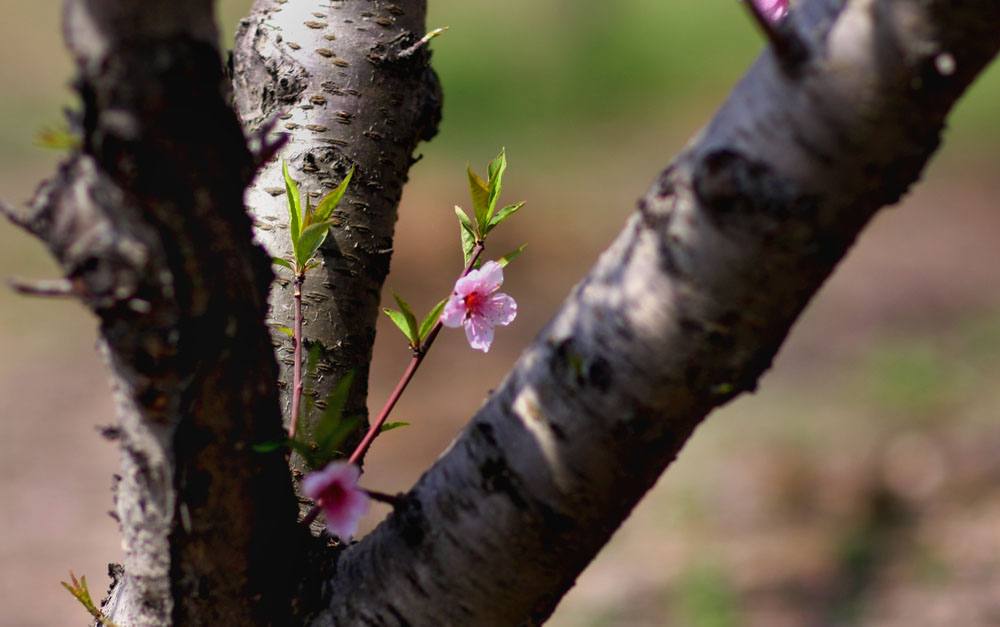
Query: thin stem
(310, 516)
(409, 52)
(411, 369)
(297, 368)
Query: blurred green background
(859, 486)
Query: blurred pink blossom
(478, 306)
(773, 10)
(336, 492)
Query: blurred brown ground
(858, 486)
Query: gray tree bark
(683, 313)
(349, 88)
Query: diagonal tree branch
(684, 312)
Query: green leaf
(307, 451)
(411, 320)
(326, 206)
(82, 594)
(306, 213)
(269, 447)
(327, 427)
(480, 197)
(313, 358)
(496, 170)
(389, 426)
(428, 322)
(497, 166)
(468, 234)
(284, 330)
(294, 208)
(502, 215)
(503, 261)
(278, 261)
(57, 137)
(310, 240)
(399, 318)
(334, 439)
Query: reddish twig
(297, 368)
(411, 369)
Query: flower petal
(454, 311)
(479, 332)
(467, 284)
(342, 520)
(490, 277)
(500, 309)
(335, 488)
(316, 483)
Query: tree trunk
(683, 312)
(348, 93)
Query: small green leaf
(269, 447)
(502, 215)
(82, 594)
(480, 197)
(497, 166)
(307, 450)
(430, 319)
(307, 214)
(283, 329)
(278, 261)
(503, 261)
(389, 426)
(468, 234)
(326, 206)
(411, 320)
(313, 358)
(496, 170)
(294, 208)
(310, 240)
(463, 219)
(328, 422)
(334, 439)
(57, 137)
(400, 319)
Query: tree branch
(684, 312)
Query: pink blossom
(335, 490)
(773, 10)
(478, 306)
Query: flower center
(334, 495)
(473, 302)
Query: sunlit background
(859, 486)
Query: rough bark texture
(683, 312)
(147, 221)
(333, 74)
